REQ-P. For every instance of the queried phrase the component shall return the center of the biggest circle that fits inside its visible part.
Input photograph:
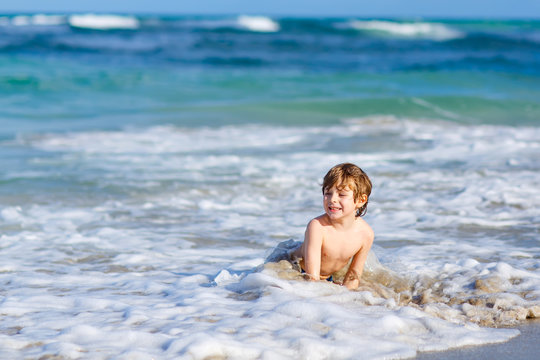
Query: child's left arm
(352, 278)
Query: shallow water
(139, 200)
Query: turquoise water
(216, 71)
(149, 164)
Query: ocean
(150, 165)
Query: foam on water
(258, 23)
(34, 20)
(103, 22)
(156, 245)
(414, 30)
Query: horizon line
(272, 15)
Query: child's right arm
(313, 239)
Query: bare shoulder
(367, 232)
(314, 235)
(314, 228)
(318, 223)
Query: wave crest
(33, 20)
(413, 30)
(258, 23)
(104, 22)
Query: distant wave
(258, 23)
(104, 22)
(413, 30)
(240, 23)
(33, 20)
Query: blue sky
(391, 8)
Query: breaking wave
(258, 23)
(409, 30)
(104, 22)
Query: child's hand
(352, 279)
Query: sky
(389, 8)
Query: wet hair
(349, 175)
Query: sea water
(150, 165)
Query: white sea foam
(258, 23)
(103, 22)
(166, 139)
(48, 20)
(34, 20)
(21, 20)
(165, 257)
(244, 22)
(414, 30)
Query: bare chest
(341, 247)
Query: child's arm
(352, 278)
(313, 239)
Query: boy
(339, 235)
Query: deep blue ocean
(150, 163)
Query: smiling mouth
(333, 208)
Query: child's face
(339, 202)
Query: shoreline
(524, 346)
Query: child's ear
(362, 199)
